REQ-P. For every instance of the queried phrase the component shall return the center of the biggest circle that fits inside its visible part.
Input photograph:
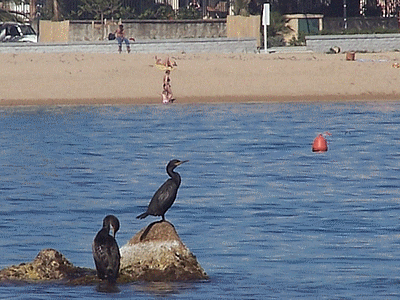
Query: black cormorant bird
(105, 250)
(166, 194)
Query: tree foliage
(188, 13)
(5, 16)
(85, 9)
(98, 9)
(331, 8)
(241, 7)
(5, 2)
(95, 9)
(158, 11)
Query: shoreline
(132, 79)
(205, 100)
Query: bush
(299, 41)
(276, 41)
(158, 12)
(125, 13)
(188, 13)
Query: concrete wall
(356, 42)
(51, 32)
(216, 45)
(148, 29)
(86, 31)
(244, 27)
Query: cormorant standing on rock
(105, 250)
(166, 194)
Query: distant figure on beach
(167, 96)
(166, 63)
(120, 34)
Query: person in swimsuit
(166, 62)
(120, 34)
(167, 95)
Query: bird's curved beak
(181, 162)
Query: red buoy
(320, 144)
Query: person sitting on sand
(166, 62)
(167, 95)
(158, 60)
(120, 34)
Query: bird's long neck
(174, 176)
(106, 228)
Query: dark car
(17, 32)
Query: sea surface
(266, 217)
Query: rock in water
(49, 264)
(156, 253)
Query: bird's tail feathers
(142, 216)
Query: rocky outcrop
(156, 253)
(49, 264)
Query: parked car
(17, 32)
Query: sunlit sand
(84, 78)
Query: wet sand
(84, 78)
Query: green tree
(241, 7)
(158, 12)
(188, 13)
(278, 24)
(5, 2)
(125, 13)
(98, 9)
(5, 16)
(51, 9)
(56, 11)
(276, 30)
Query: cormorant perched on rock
(105, 250)
(166, 194)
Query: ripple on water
(265, 216)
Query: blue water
(266, 217)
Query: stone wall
(149, 29)
(355, 42)
(216, 45)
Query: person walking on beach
(120, 34)
(167, 95)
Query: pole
(265, 23)
(265, 39)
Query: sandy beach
(84, 78)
